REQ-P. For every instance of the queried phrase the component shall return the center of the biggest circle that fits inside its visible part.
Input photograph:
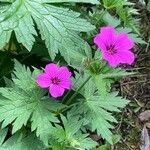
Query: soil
(137, 89)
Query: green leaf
(71, 134)
(4, 7)
(79, 80)
(76, 1)
(148, 5)
(24, 78)
(137, 39)
(102, 147)
(7, 1)
(41, 121)
(61, 38)
(3, 133)
(132, 35)
(116, 138)
(17, 18)
(102, 84)
(58, 26)
(20, 142)
(55, 145)
(106, 77)
(109, 4)
(98, 111)
(24, 100)
(115, 72)
(110, 20)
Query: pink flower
(56, 78)
(115, 47)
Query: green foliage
(130, 24)
(3, 134)
(71, 134)
(76, 1)
(25, 101)
(53, 31)
(97, 106)
(125, 22)
(106, 77)
(110, 20)
(132, 35)
(94, 109)
(20, 141)
(148, 5)
(58, 26)
(109, 4)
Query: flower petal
(126, 57)
(56, 91)
(51, 69)
(43, 80)
(123, 42)
(112, 59)
(64, 73)
(106, 37)
(100, 42)
(66, 84)
(108, 34)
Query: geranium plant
(56, 86)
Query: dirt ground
(137, 89)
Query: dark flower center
(111, 49)
(55, 80)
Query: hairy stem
(75, 94)
(64, 98)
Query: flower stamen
(55, 80)
(111, 49)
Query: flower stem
(64, 98)
(75, 94)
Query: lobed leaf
(21, 142)
(59, 27)
(24, 102)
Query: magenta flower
(115, 47)
(56, 78)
